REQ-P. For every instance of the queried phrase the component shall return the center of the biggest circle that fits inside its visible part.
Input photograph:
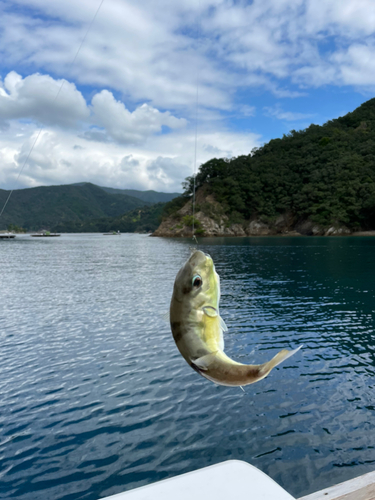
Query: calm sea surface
(95, 398)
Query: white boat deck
(229, 480)
(235, 479)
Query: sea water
(95, 398)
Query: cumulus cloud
(341, 18)
(59, 103)
(126, 127)
(166, 170)
(271, 36)
(60, 157)
(129, 162)
(162, 70)
(102, 142)
(297, 40)
(125, 115)
(356, 64)
(154, 52)
(41, 98)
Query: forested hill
(149, 196)
(47, 206)
(325, 174)
(139, 220)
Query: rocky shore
(211, 220)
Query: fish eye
(197, 281)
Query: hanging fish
(197, 327)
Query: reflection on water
(95, 398)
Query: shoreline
(293, 234)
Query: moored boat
(7, 236)
(113, 233)
(43, 234)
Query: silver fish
(197, 327)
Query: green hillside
(147, 196)
(140, 220)
(47, 206)
(325, 174)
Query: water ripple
(95, 398)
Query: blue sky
(125, 116)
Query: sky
(161, 86)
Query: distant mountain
(47, 206)
(147, 196)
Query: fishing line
(195, 156)
(53, 102)
(196, 139)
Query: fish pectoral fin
(204, 362)
(210, 311)
(223, 326)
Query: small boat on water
(45, 234)
(113, 233)
(7, 236)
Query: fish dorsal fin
(223, 326)
(203, 362)
(210, 311)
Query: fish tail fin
(276, 360)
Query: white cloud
(102, 142)
(166, 170)
(289, 116)
(343, 18)
(126, 127)
(59, 103)
(126, 113)
(269, 36)
(153, 51)
(301, 40)
(132, 48)
(356, 65)
(128, 162)
(34, 97)
(61, 157)
(246, 110)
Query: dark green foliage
(15, 229)
(325, 173)
(174, 205)
(140, 220)
(190, 221)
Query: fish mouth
(198, 255)
(194, 251)
(199, 259)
